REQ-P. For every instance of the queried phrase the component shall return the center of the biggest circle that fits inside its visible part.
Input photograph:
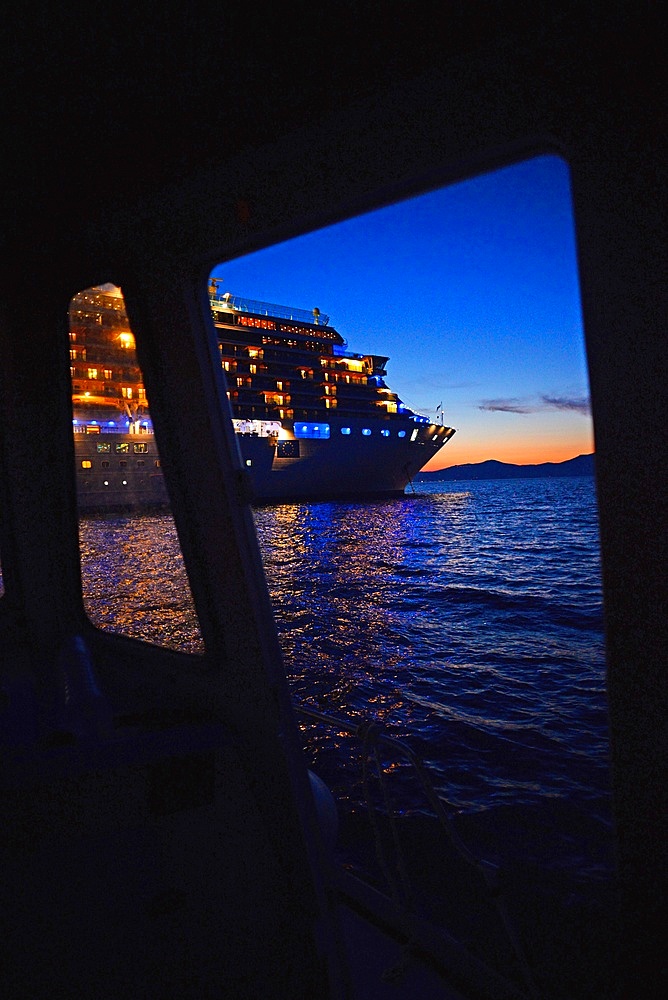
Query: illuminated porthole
(106, 482)
(385, 433)
(86, 464)
(345, 430)
(401, 434)
(366, 431)
(125, 482)
(249, 462)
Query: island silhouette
(582, 465)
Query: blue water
(468, 619)
(465, 619)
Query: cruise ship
(312, 420)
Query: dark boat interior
(159, 835)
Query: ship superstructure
(312, 419)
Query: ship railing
(371, 736)
(236, 303)
(376, 748)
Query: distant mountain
(583, 465)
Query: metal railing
(371, 737)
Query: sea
(464, 622)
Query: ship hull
(354, 464)
(359, 459)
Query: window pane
(134, 580)
(465, 613)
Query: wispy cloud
(579, 404)
(513, 404)
(506, 406)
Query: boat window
(133, 577)
(466, 614)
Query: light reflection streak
(134, 581)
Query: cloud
(580, 404)
(513, 404)
(506, 406)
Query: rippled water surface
(466, 617)
(469, 617)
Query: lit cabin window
(103, 447)
(366, 431)
(385, 432)
(345, 430)
(401, 434)
(86, 464)
(309, 430)
(414, 434)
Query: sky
(472, 291)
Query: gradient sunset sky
(473, 293)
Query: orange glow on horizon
(460, 451)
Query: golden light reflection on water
(134, 581)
